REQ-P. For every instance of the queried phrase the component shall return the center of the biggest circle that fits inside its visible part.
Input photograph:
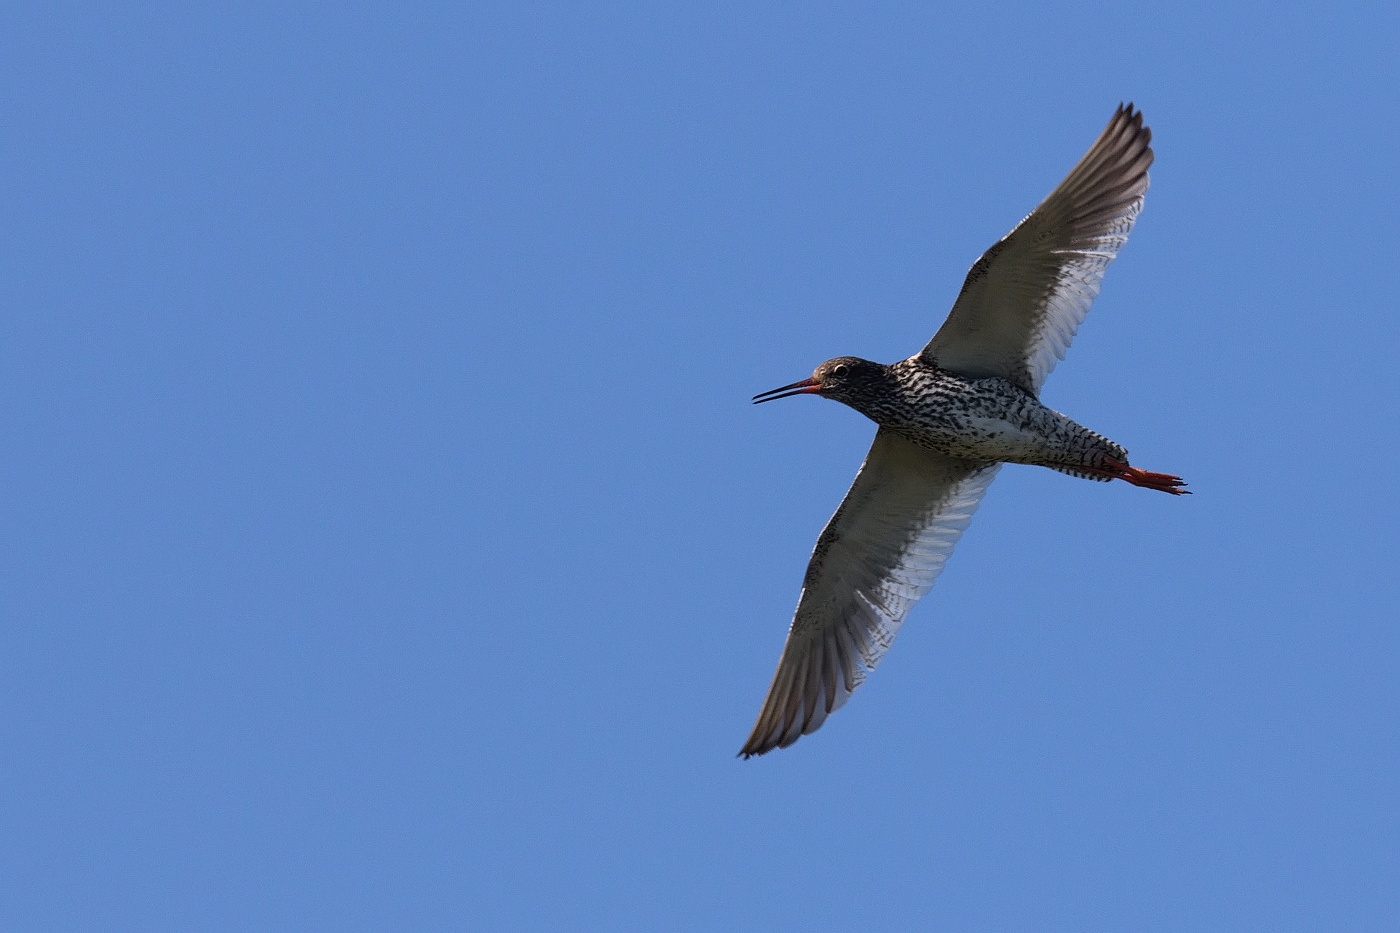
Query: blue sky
(390, 542)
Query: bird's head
(848, 379)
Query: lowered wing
(877, 556)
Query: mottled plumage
(949, 416)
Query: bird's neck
(905, 385)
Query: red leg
(1165, 482)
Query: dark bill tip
(801, 387)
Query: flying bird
(948, 417)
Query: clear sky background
(389, 541)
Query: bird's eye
(840, 369)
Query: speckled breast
(988, 419)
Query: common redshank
(948, 417)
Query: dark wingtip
(753, 748)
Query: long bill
(806, 386)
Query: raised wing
(876, 557)
(1024, 299)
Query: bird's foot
(1145, 478)
(1164, 482)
